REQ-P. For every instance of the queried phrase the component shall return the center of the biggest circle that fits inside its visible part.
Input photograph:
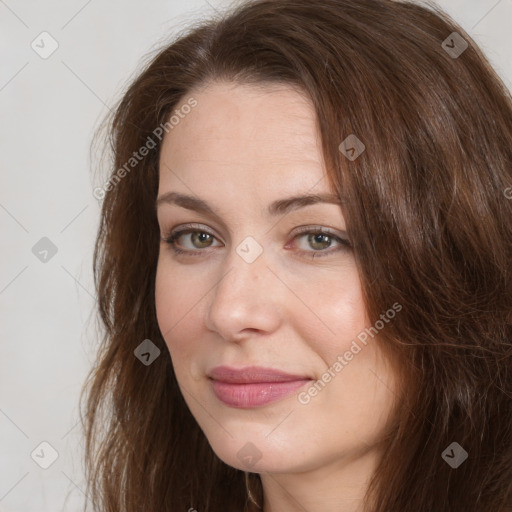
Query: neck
(339, 486)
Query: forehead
(268, 131)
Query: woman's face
(251, 290)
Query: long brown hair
(431, 224)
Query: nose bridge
(245, 295)
(247, 265)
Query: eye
(318, 238)
(201, 237)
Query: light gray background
(50, 109)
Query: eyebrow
(278, 207)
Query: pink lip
(253, 385)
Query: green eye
(319, 239)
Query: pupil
(320, 238)
(203, 237)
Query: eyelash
(171, 238)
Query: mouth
(254, 385)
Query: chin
(258, 456)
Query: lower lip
(254, 394)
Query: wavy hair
(429, 216)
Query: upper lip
(250, 374)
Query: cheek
(165, 301)
(175, 294)
(171, 303)
(338, 303)
(178, 307)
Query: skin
(241, 148)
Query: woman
(347, 350)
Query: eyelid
(324, 229)
(184, 229)
(301, 229)
(192, 226)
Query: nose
(248, 297)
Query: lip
(253, 386)
(251, 374)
